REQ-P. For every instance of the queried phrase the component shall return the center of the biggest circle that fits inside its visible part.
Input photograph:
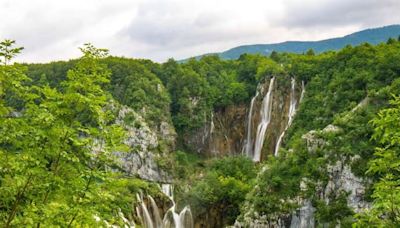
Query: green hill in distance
(372, 36)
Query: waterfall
(265, 112)
(147, 221)
(171, 218)
(249, 143)
(291, 113)
(168, 191)
(212, 126)
(156, 213)
(303, 90)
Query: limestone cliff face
(222, 135)
(144, 146)
(226, 132)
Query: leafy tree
(7, 51)
(391, 41)
(385, 211)
(310, 52)
(223, 188)
(55, 152)
(274, 56)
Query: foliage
(7, 51)
(52, 114)
(223, 188)
(133, 84)
(55, 151)
(334, 213)
(385, 211)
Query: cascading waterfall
(249, 143)
(171, 218)
(266, 109)
(291, 113)
(144, 215)
(157, 218)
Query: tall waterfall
(265, 112)
(171, 218)
(249, 143)
(291, 113)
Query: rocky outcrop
(341, 179)
(304, 216)
(144, 146)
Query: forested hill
(372, 36)
(100, 140)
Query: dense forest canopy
(58, 133)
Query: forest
(73, 132)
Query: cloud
(176, 27)
(159, 29)
(53, 30)
(334, 13)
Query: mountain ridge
(370, 35)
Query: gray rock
(142, 141)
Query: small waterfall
(212, 126)
(168, 190)
(266, 109)
(171, 218)
(212, 129)
(291, 113)
(249, 143)
(303, 90)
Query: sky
(52, 30)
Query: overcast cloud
(159, 29)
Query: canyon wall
(228, 133)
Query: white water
(167, 190)
(157, 218)
(249, 143)
(147, 221)
(171, 218)
(266, 109)
(291, 113)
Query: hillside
(372, 36)
(292, 140)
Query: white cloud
(159, 29)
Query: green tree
(56, 151)
(391, 41)
(223, 188)
(274, 56)
(310, 52)
(7, 51)
(385, 211)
